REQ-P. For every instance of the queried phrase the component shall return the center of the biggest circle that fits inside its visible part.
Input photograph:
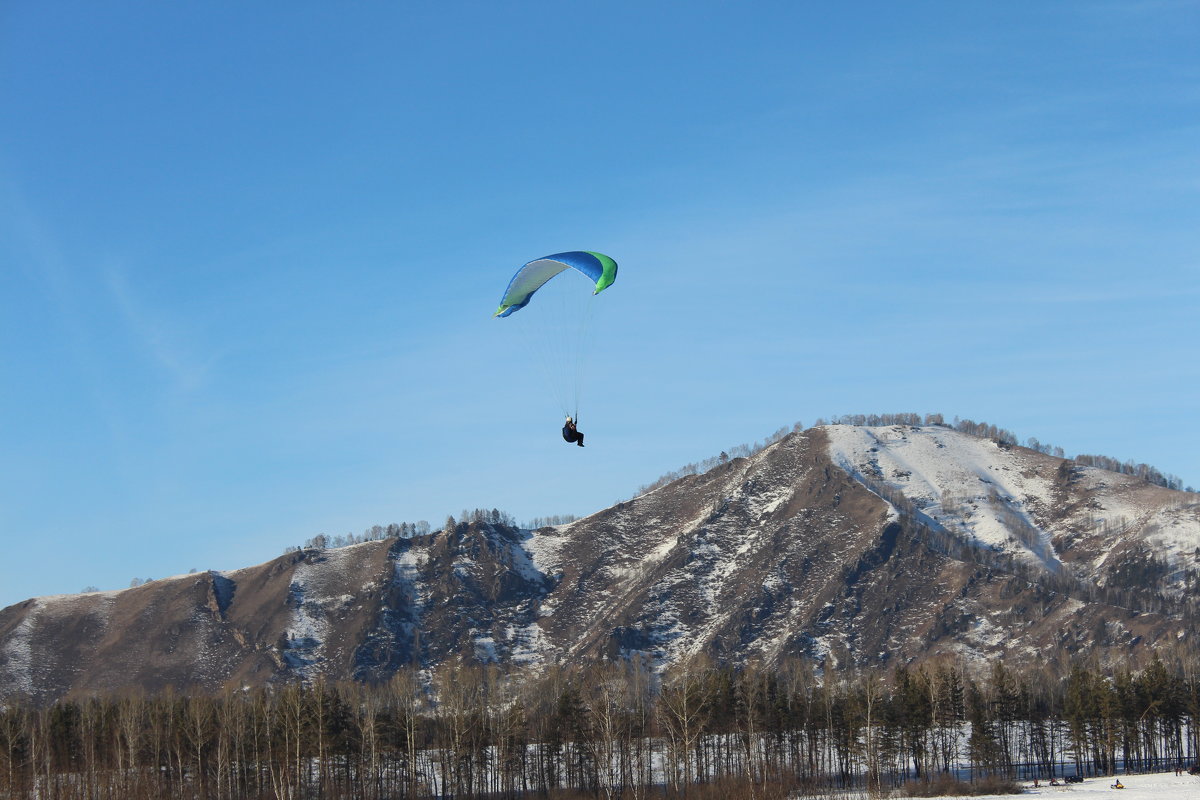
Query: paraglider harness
(571, 433)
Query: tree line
(611, 730)
(407, 530)
(1143, 471)
(744, 450)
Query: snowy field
(1156, 786)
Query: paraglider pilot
(571, 433)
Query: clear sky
(249, 252)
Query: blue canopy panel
(598, 267)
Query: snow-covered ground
(1156, 786)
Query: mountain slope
(1043, 510)
(845, 545)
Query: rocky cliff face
(844, 545)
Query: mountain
(846, 545)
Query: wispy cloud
(156, 333)
(36, 255)
(54, 285)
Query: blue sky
(249, 252)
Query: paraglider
(571, 433)
(559, 325)
(598, 267)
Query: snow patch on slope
(309, 629)
(408, 575)
(959, 482)
(544, 549)
(16, 658)
(527, 644)
(1130, 503)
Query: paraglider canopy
(598, 267)
(559, 326)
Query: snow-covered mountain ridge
(1020, 501)
(845, 545)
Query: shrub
(949, 786)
